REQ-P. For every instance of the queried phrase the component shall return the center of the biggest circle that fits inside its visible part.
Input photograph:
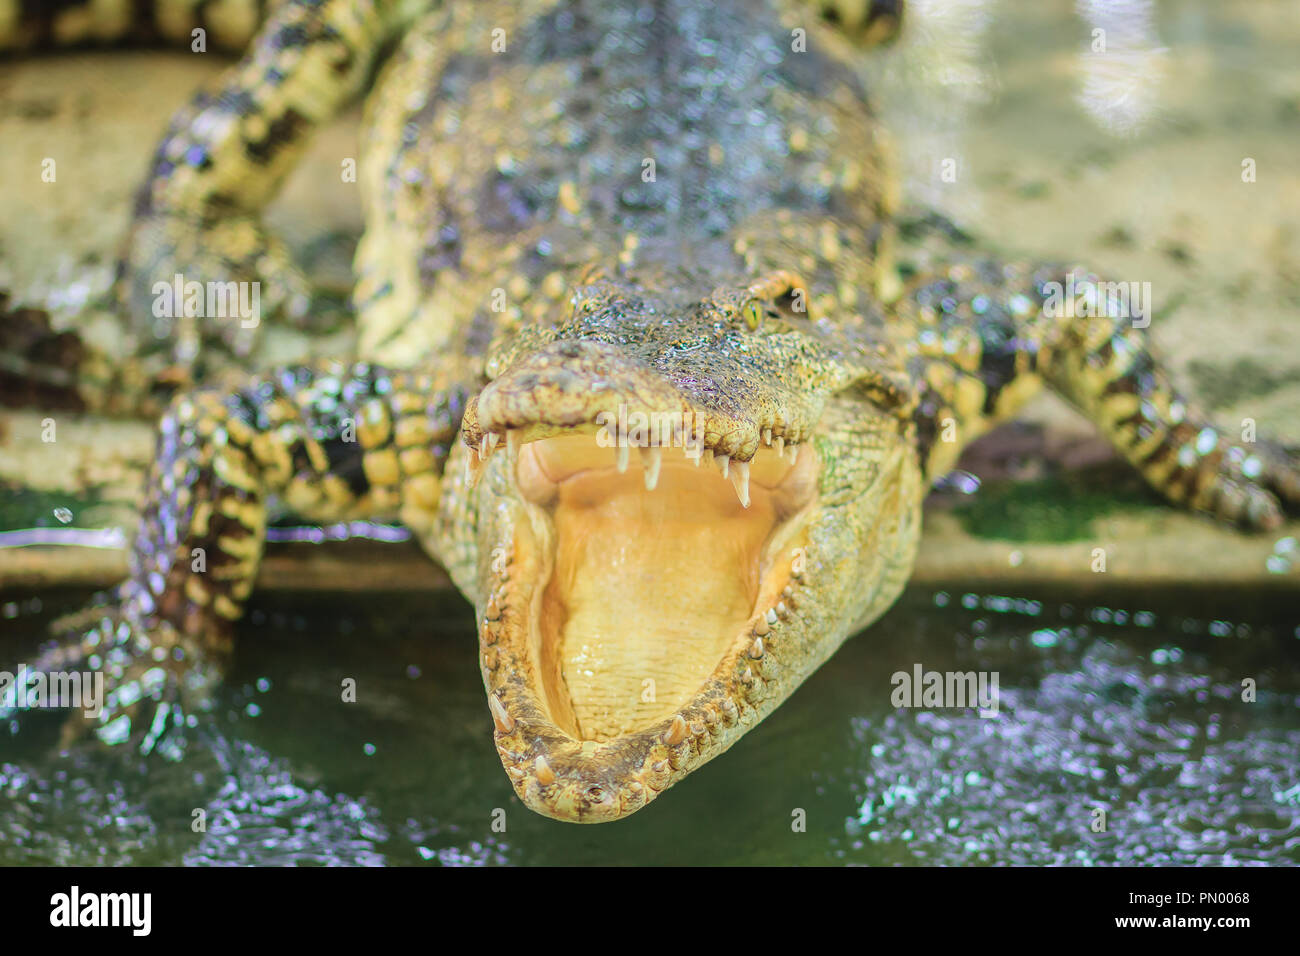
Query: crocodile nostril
(595, 794)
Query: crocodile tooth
(543, 772)
(483, 448)
(780, 445)
(767, 436)
(782, 610)
(771, 617)
(651, 458)
(622, 457)
(761, 629)
(756, 649)
(724, 463)
(747, 676)
(492, 439)
(740, 478)
(659, 766)
(473, 469)
(500, 716)
(676, 732)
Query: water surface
(1134, 708)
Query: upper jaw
(569, 385)
(555, 769)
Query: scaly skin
(521, 275)
(38, 24)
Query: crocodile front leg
(333, 442)
(988, 335)
(222, 159)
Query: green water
(1134, 708)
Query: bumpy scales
(636, 365)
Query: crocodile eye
(753, 313)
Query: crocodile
(593, 227)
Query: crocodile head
(683, 505)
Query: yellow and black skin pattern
(572, 205)
(27, 25)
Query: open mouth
(641, 584)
